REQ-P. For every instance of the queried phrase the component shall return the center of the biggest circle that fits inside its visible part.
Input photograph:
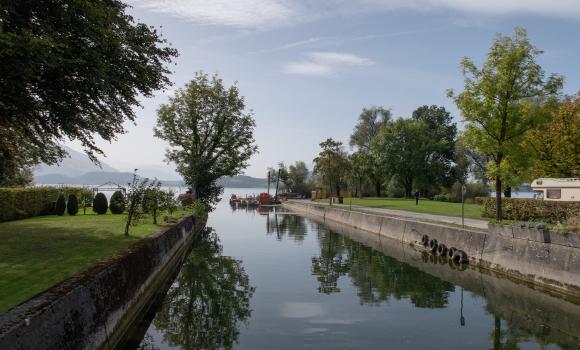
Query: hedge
(522, 209)
(20, 203)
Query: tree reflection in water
(208, 301)
(377, 277)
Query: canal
(281, 281)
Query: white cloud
(237, 13)
(308, 68)
(339, 59)
(275, 13)
(326, 63)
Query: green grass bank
(472, 211)
(37, 253)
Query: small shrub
(100, 204)
(441, 198)
(60, 206)
(118, 203)
(185, 199)
(72, 205)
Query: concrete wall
(95, 309)
(527, 253)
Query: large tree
(556, 146)
(72, 70)
(401, 149)
(367, 128)
(297, 177)
(210, 134)
(332, 164)
(503, 101)
(441, 132)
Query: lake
(277, 280)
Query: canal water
(265, 280)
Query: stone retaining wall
(95, 309)
(531, 254)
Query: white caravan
(557, 189)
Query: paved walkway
(453, 220)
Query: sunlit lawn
(425, 206)
(37, 253)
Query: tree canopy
(503, 101)
(210, 134)
(369, 123)
(556, 146)
(72, 70)
(332, 164)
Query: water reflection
(377, 277)
(208, 301)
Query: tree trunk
(378, 188)
(498, 203)
(408, 190)
(360, 187)
(508, 192)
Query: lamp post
(463, 191)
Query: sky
(307, 68)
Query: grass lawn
(472, 211)
(39, 252)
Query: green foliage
(441, 198)
(556, 146)
(72, 205)
(200, 211)
(298, 177)
(473, 190)
(60, 206)
(100, 203)
(520, 209)
(209, 132)
(72, 70)
(369, 123)
(332, 164)
(117, 203)
(185, 199)
(135, 201)
(502, 101)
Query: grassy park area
(472, 211)
(39, 252)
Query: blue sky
(307, 68)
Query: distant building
(557, 189)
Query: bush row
(19, 203)
(521, 209)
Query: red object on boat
(265, 199)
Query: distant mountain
(243, 181)
(123, 178)
(75, 165)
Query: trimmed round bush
(100, 203)
(117, 204)
(72, 205)
(60, 205)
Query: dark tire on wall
(450, 252)
(442, 249)
(425, 240)
(433, 245)
(460, 256)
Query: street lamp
(463, 192)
